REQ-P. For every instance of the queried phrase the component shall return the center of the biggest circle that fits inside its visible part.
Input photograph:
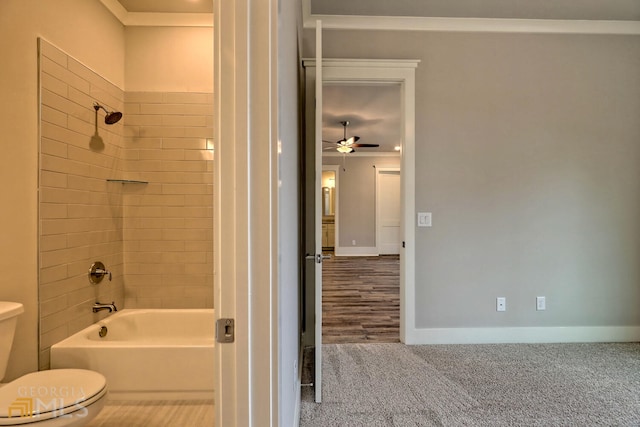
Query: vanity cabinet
(328, 235)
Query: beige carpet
(477, 385)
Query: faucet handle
(97, 271)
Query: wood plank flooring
(361, 299)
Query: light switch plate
(424, 219)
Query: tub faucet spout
(98, 307)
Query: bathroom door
(313, 211)
(316, 263)
(318, 215)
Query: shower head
(111, 117)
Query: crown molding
(364, 63)
(140, 19)
(493, 25)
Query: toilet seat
(47, 395)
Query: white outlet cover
(541, 303)
(501, 304)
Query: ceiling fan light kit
(346, 145)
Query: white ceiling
(625, 10)
(518, 9)
(168, 6)
(373, 112)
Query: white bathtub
(147, 353)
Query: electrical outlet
(353, 243)
(541, 303)
(501, 304)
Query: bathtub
(146, 354)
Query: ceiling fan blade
(365, 145)
(349, 141)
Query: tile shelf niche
(127, 181)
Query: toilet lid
(49, 394)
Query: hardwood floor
(361, 299)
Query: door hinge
(225, 331)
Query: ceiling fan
(347, 145)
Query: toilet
(53, 398)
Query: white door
(388, 211)
(313, 210)
(318, 215)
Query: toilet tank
(9, 312)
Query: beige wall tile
(54, 84)
(80, 216)
(63, 74)
(54, 116)
(187, 98)
(49, 338)
(144, 97)
(186, 143)
(143, 119)
(61, 134)
(185, 121)
(54, 148)
(53, 210)
(48, 51)
(157, 238)
(53, 274)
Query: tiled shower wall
(80, 212)
(155, 237)
(168, 223)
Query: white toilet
(54, 398)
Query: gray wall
(528, 155)
(357, 197)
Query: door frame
(246, 210)
(385, 72)
(336, 204)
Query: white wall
(357, 197)
(169, 59)
(91, 35)
(527, 155)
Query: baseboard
(554, 334)
(356, 251)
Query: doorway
(361, 283)
(359, 72)
(370, 72)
